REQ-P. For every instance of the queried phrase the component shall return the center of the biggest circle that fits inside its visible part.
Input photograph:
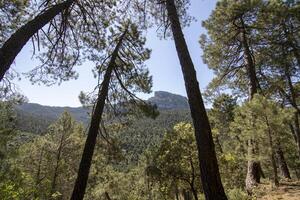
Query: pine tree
(15, 43)
(50, 161)
(278, 57)
(175, 162)
(266, 121)
(58, 32)
(123, 71)
(229, 51)
(172, 16)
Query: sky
(163, 65)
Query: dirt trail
(286, 191)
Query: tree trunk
(192, 183)
(219, 146)
(293, 101)
(38, 174)
(297, 131)
(210, 176)
(86, 159)
(195, 194)
(186, 194)
(58, 158)
(272, 155)
(275, 175)
(254, 168)
(285, 172)
(15, 43)
(107, 196)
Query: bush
(237, 194)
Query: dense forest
(238, 139)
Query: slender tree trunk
(38, 174)
(58, 159)
(86, 159)
(107, 196)
(293, 132)
(293, 102)
(297, 172)
(296, 129)
(186, 195)
(254, 168)
(177, 193)
(15, 43)
(272, 154)
(219, 146)
(210, 176)
(285, 172)
(195, 193)
(192, 183)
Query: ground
(286, 191)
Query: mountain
(163, 100)
(168, 101)
(53, 112)
(36, 118)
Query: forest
(237, 139)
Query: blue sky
(163, 65)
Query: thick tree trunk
(15, 43)
(285, 172)
(254, 168)
(86, 159)
(210, 176)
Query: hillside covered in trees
(238, 139)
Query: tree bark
(192, 183)
(285, 172)
(15, 43)
(107, 196)
(272, 155)
(86, 159)
(195, 193)
(254, 168)
(297, 131)
(210, 176)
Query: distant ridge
(53, 112)
(40, 116)
(163, 100)
(169, 101)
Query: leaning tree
(121, 70)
